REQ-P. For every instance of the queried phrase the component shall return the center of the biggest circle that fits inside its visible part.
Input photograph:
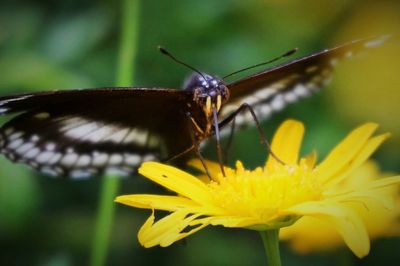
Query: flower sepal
(278, 223)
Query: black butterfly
(81, 133)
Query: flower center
(265, 192)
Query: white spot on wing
(239, 119)
(82, 130)
(72, 122)
(115, 159)
(136, 136)
(32, 153)
(265, 110)
(15, 135)
(132, 159)
(55, 158)
(265, 93)
(44, 157)
(277, 103)
(69, 159)
(117, 171)
(99, 134)
(247, 117)
(99, 159)
(118, 137)
(49, 171)
(149, 157)
(290, 97)
(300, 90)
(35, 138)
(87, 130)
(81, 174)
(50, 146)
(84, 160)
(251, 100)
(15, 144)
(227, 109)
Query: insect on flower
(86, 132)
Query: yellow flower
(312, 235)
(268, 197)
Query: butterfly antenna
(165, 52)
(288, 53)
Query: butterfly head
(209, 92)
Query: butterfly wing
(82, 133)
(271, 90)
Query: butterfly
(86, 132)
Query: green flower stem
(271, 245)
(125, 70)
(128, 42)
(104, 221)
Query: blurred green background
(74, 44)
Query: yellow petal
(234, 221)
(150, 234)
(171, 238)
(177, 180)
(286, 143)
(348, 224)
(167, 230)
(353, 232)
(142, 232)
(159, 202)
(310, 235)
(345, 151)
(365, 198)
(366, 151)
(383, 182)
(311, 159)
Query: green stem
(128, 44)
(125, 70)
(104, 221)
(271, 245)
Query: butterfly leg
(218, 139)
(196, 144)
(196, 148)
(229, 141)
(264, 141)
(180, 154)
(202, 160)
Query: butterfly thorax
(209, 93)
